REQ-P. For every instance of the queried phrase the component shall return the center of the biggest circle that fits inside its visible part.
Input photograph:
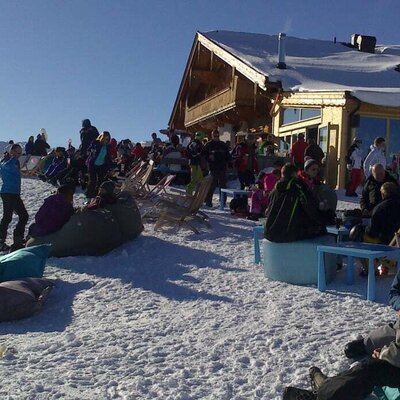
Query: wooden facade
(219, 90)
(215, 92)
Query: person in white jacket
(355, 166)
(375, 156)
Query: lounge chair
(183, 210)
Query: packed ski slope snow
(174, 315)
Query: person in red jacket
(297, 151)
(113, 149)
(246, 162)
(138, 152)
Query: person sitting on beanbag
(55, 212)
(105, 196)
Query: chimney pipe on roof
(281, 51)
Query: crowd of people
(290, 194)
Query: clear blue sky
(120, 62)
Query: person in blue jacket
(58, 164)
(98, 162)
(11, 197)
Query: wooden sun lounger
(183, 210)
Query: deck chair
(137, 184)
(396, 239)
(185, 210)
(160, 189)
(33, 165)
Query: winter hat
(309, 163)
(86, 123)
(199, 135)
(108, 186)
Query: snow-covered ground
(174, 315)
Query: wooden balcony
(239, 94)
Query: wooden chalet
(329, 91)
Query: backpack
(239, 205)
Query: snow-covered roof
(317, 65)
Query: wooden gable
(217, 89)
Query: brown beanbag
(22, 298)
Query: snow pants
(196, 175)
(359, 381)
(356, 177)
(219, 179)
(12, 203)
(380, 337)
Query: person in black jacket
(41, 146)
(371, 194)
(385, 218)
(194, 150)
(293, 212)
(314, 152)
(30, 146)
(217, 155)
(88, 134)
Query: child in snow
(11, 197)
(55, 212)
(104, 197)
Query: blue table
(340, 232)
(230, 192)
(360, 250)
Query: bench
(359, 250)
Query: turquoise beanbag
(28, 262)
(387, 393)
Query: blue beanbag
(28, 262)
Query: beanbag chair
(95, 232)
(89, 232)
(387, 393)
(21, 298)
(24, 263)
(127, 214)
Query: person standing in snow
(98, 162)
(375, 156)
(41, 146)
(247, 161)
(217, 155)
(354, 164)
(297, 151)
(30, 146)
(88, 135)
(11, 197)
(194, 150)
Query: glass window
(291, 115)
(369, 129)
(298, 114)
(307, 113)
(323, 138)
